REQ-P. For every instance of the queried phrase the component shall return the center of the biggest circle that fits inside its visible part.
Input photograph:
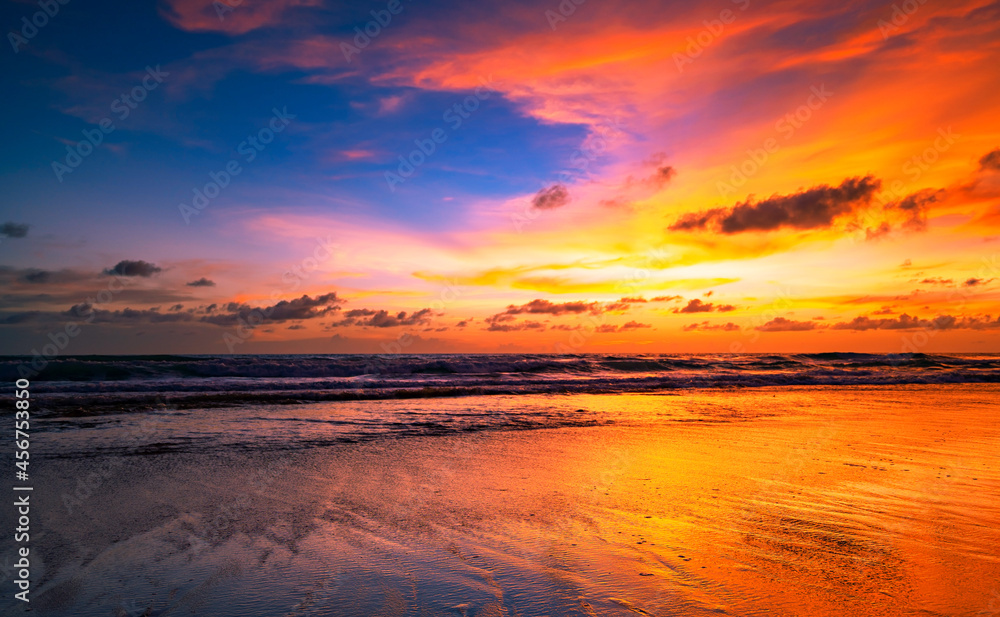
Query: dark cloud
(549, 198)
(202, 282)
(128, 267)
(781, 324)
(547, 307)
(884, 229)
(383, 319)
(903, 322)
(286, 310)
(810, 209)
(975, 282)
(35, 276)
(496, 326)
(990, 160)
(13, 230)
(632, 325)
(662, 176)
(15, 277)
(705, 326)
(698, 306)
(90, 314)
(624, 303)
(693, 221)
(937, 280)
(909, 322)
(21, 317)
(915, 208)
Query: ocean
(810, 484)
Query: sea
(199, 402)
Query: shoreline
(850, 499)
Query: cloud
(202, 282)
(550, 198)
(937, 280)
(305, 307)
(128, 267)
(21, 317)
(662, 176)
(781, 324)
(547, 307)
(228, 17)
(35, 276)
(511, 327)
(915, 208)
(909, 322)
(884, 229)
(705, 326)
(810, 209)
(697, 306)
(90, 314)
(975, 282)
(990, 160)
(13, 230)
(383, 319)
(633, 325)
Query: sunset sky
(583, 176)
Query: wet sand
(784, 501)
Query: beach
(799, 500)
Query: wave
(121, 368)
(82, 385)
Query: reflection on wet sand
(804, 501)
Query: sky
(583, 176)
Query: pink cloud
(228, 16)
